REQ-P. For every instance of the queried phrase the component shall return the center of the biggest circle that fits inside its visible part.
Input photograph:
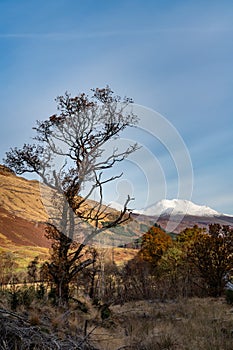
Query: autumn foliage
(154, 244)
(212, 255)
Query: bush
(40, 292)
(21, 296)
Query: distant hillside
(177, 223)
(22, 215)
(21, 212)
(21, 197)
(174, 215)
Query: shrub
(21, 296)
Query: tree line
(195, 263)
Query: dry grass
(34, 319)
(122, 255)
(193, 324)
(22, 197)
(187, 324)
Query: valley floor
(187, 324)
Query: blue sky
(173, 57)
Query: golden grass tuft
(34, 319)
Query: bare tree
(69, 155)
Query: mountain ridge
(24, 211)
(175, 207)
(23, 216)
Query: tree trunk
(62, 290)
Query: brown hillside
(14, 229)
(21, 197)
(22, 214)
(21, 211)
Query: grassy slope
(22, 213)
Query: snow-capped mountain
(178, 207)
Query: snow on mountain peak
(178, 207)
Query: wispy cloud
(109, 33)
(58, 36)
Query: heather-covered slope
(22, 215)
(21, 211)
